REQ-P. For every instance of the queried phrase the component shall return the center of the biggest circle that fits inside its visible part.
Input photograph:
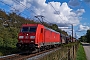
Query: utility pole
(72, 32)
(75, 35)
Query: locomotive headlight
(21, 37)
(32, 37)
(32, 41)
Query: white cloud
(80, 12)
(10, 2)
(74, 3)
(62, 16)
(83, 28)
(19, 7)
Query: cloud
(83, 28)
(19, 7)
(61, 14)
(80, 12)
(74, 3)
(10, 2)
(87, 1)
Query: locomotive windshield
(32, 29)
(28, 29)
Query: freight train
(37, 36)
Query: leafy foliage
(85, 38)
(88, 36)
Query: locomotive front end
(26, 37)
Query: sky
(64, 13)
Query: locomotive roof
(51, 30)
(40, 24)
(29, 25)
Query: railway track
(9, 57)
(26, 56)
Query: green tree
(1, 41)
(88, 36)
(83, 38)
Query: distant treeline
(86, 37)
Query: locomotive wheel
(37, 49)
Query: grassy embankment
(7, 50)
(59, 54)
(81, 53)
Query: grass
(59, 54)
(7, 50)
(81, 53)
(56, 55)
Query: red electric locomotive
(35, 36)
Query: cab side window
(41, 30)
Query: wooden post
(68, 54)
(73, 52)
